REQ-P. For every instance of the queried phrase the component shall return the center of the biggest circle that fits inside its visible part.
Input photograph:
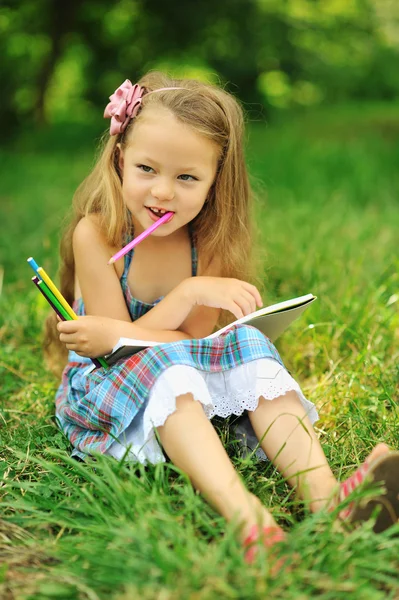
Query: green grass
(328, 214)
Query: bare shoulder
(87, 234)
(95, 280)
(90, 243)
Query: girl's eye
(191, 177)
(145, 168)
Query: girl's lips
(154, 217)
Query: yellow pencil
(43, 275)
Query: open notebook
(271, 320)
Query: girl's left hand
(90, 336)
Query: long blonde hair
(225, 226)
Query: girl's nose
(163, 190)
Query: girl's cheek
(136, 185)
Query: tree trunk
(61, 18)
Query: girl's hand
(90, 336)
(239, 297)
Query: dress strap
(194, 255)
(128, 257)
(127, 260)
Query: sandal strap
(356, 479)
(348, 486)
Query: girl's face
(166, 165)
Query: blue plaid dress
(96, 409)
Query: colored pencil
(31, 261)
(53, 299)
(57, 301)
(41, 273)
(63, 315)
(166, 217)
(39, 284)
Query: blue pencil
(34, 265)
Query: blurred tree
(58, 19)
(61, 60)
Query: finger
(234, 308)
(246, 302)
(254, 291)
(73, 347)
(250, 303)
(67, 338)
(67, 326)
(76, 348)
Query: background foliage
(320, 80)
(61, 60)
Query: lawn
(328, 215)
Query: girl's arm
(107, 317)
(181, 311)
(96, 335)
(99, 282)
(103, 296)
(176, 317)
(194, 305)
(189, 311)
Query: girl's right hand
(238, 297)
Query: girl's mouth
(154, 216)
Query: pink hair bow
(124, 105)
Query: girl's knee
(289, 398)
(186, 402)
(185, 405)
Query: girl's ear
(121, 159)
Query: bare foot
(344, 487)
(377, 451)
(268, 537)
(258, 516)
(259, 529)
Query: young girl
(176, 145)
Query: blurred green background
(319, 81)
(61, 60)
(315, 77)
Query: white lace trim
(222, 393)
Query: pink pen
(166, 217)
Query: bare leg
(192, 444)
(289, 440)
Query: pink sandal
(383, 470)
(270, 537)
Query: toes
(379, 450)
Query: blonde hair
(225, 226)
